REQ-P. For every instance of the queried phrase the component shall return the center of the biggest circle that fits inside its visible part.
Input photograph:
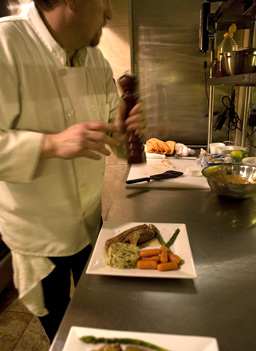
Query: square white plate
(181, 247)
(170, 342)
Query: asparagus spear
(101, 340)
(173, 238)
(159, 236)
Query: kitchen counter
(219, 303)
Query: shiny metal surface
(239, 62)
(219, 303)
(232, 190)
(167, 60)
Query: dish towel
(28, 274)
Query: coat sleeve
(19, 149)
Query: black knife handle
(132, 181)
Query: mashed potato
(121, 255)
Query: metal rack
(231, 11)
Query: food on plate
(166, 261)
(173, 238)
(123, 256)
(174, 258)
(146, 264)
(151, 258)
(158, 146)
(106, 347)
(136, 235)
(168, 266)
(160, 238)
(123, 251)
(163, 255)
(150, 252)
(122, 341)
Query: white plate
(170, 342)
(181, 247)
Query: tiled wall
(115, 45)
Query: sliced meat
(135, 235)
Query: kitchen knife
(165, 175)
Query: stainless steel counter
(220, 302)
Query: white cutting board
(186, 165)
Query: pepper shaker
(135, 146)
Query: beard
(96, 39)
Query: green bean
(158, 235)
(126, 341)
(173, 238)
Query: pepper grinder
(135, 146)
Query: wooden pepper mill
(135, 147)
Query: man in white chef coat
(58, 112)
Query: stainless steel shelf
(247, 79)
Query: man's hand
(87, 139)
(135, 122)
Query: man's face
(90, 17)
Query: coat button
(63, 72)
(93, 109)
(70, 113)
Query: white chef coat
(51, 207)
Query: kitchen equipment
(135, 147)
(219, 178)
(249, 161)
(156, 166)
(225, 150)
(228, 44)
(214, 147)
(240, 61)
(165, 175)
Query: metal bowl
(238, 62)
(228, 173)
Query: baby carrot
(146, 264)
(163, 255)
(152, 258)
(150, 252)
(167, 266)
(174, 258)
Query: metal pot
(238, 62)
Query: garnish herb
(126, 341)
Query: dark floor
(19, 329)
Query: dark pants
(56, 288)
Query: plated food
(158, 341)
(112, 233)
(123, 250)
(121, 344)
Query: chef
(59, 114)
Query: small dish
(249, 161)
(214, 147)
(227, 149)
